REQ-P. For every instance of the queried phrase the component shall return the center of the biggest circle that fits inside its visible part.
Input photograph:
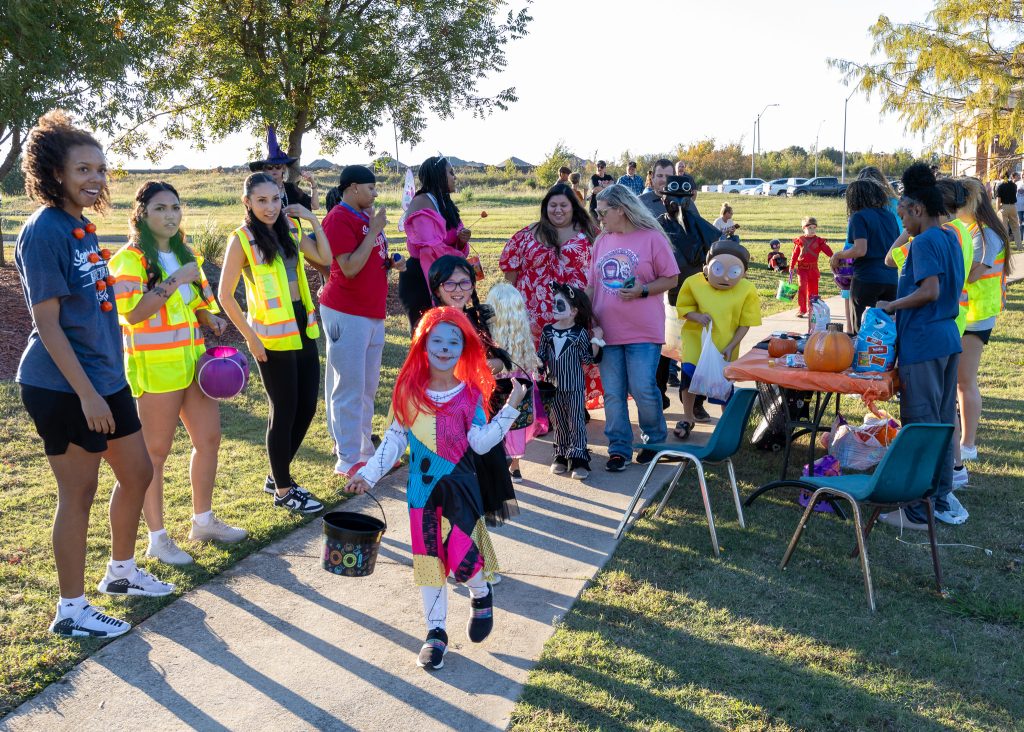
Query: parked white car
(753, 191)
(778, 186)
(741, 184)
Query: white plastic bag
(673, 346)
(709, 377)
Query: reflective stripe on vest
(986, 297)
(963, 233)
(161, 351)
(272, 317)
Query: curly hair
(919, 185)
(46, 152)
(510, 326)
(864, 193)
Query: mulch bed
(16, 324)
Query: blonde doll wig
(510, 326)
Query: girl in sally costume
(438, 411)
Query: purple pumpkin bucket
(222, 372)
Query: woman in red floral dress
(554, 249)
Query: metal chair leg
(799, 530)
(671, 487)
(865, 565)
(867, 530)
(636, 496)
(735, 493)
(930, 508)
(707, 504)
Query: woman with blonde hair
(160, 284)
(986, 288)
(631, 268)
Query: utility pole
(757, 136)
(843, 178)
(817, 136)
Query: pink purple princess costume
(446, 513)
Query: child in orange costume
(806, 250)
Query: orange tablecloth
(754, 366)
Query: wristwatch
(644, 292)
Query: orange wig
(410, 397)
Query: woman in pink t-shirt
(631, 268)
(433, 229)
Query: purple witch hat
(275, 155)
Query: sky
(711, 71)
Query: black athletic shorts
(982, 335)
(59, 419)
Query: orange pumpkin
(828, 350)
(778, 347)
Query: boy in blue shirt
(928, 341)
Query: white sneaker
(89, 623)
(960, 477)
(216, 530)
(900, 521)
(580, 473)
(968, 452)
(165, 550)
(140, 583)
(955, 515)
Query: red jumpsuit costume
(805, 261)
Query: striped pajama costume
(564, 354)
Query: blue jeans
(631, 369)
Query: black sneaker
(433, 650)
(298, 500)
(616, 464)
(517, 475)
(481, 619)
(559, 466)
(673, 381)
(269, 486)
(666, 403)
(699, 412)
(645, 456)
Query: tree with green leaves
(956, 74)
(547, 171)
(341, 68)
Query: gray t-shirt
(53, 263)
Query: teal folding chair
(724, 443)
(907, 475)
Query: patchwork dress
(446, 512)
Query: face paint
(561, 306)
(444, 346)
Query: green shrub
(209, 241)
(13, 184)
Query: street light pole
(757, 136)
(817, 136)
(753, 142)
(843, 178)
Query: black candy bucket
(547, 393)
(501, 394)
(351, 542)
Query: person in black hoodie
(691, 237)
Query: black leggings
(865, 294)
(292, 382)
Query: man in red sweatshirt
(806, 250)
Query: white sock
(154, 535)
(69, 607)
(122, 568)
(203, 519)
(435, 606)
(477, 585)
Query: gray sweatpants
(355, 346)
(928, 395)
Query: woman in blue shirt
(72, 372)
(928, 341)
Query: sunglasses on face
(452, 286)
(602, 212)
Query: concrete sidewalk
(277, 643)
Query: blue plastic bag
(876, 342)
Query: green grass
(667, 637)
(30, 658)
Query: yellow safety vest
(270, 312)
(986, 297)
(899, 255)
(160, 352)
